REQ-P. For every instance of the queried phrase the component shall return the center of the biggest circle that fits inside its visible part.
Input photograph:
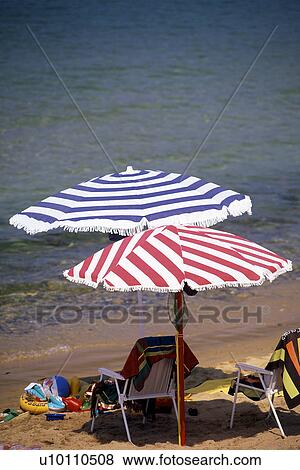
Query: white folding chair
(271, 383)
(160, 383)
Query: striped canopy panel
(163, 259)
(131, 201)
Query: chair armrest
(250, 368)
(111, 373)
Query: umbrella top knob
(129, 169)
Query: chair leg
(275, 415)
(94, 417)
(270, 410)
(175, 407)
(125, 421)
(235, 399)
(146, 411)
(93, 424)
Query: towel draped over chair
(148, 351)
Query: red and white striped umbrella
(165, 258)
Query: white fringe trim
(266, 275)
(33, 226)
(80, 280)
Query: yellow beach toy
(30, 403)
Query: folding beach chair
(265, 387)
(281, 373)
(152, 360)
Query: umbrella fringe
(33, 226)
(286, 268)
(29, 225)
(80, 280)
(265, 276)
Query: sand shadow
(201, 374)
(211, 424)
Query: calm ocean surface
(151, 77)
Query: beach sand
(217, 341)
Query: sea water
(151, 78)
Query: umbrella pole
(180, 372)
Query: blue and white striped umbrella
(131, 201)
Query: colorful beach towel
(287, 357)
(147, 351)
(209, 386)
(252, 381)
